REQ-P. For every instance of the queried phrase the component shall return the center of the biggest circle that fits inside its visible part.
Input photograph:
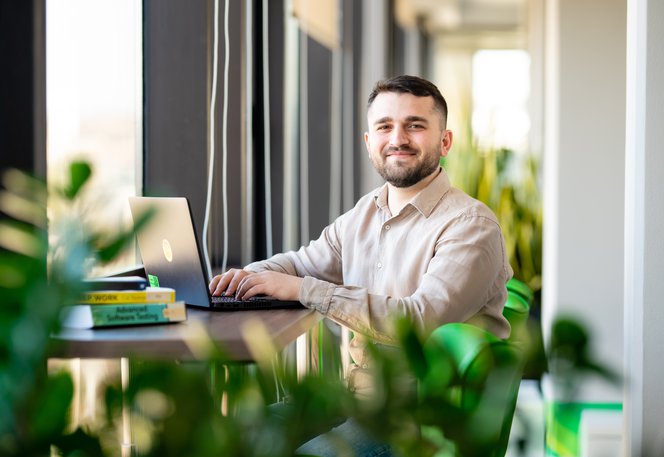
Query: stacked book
(108, 307)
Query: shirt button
(387, 227)
(379, 265)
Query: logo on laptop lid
(168, 251)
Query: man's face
(406, 138)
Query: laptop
(171, 256)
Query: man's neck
(398, 197)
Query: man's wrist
(316, 293)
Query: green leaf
(108, 250)
(51, 413)
(79, 444)
(413, 349)
(79, 173)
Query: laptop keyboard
(261, 302)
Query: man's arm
(464, 281)
(281, 275)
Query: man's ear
(445, 143)
(366, 142)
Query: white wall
(584, 176)
(644, 225)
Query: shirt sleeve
(320, 259)
(464, 281)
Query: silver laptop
(171, 256)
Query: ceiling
(440, 16)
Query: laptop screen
(169, 248)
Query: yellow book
(149, 295)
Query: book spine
(134, 314)
(102, 298)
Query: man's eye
(382, 127)
(416, 126)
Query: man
(414, 247)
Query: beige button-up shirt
(441, 259)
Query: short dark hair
(414, 85)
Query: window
(501, 89)
(94, 103)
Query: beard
(402, 175)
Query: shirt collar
(426, 200)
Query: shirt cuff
(316, 294)
(254, 267)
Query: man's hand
(278, 285)
(246, 284)
(227, 283)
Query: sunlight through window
(500, 91)
(94, 100)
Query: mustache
(408, 149)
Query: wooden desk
(171, 340)
(175, 342)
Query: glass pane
(94, 100)
(501, 87)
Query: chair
(517, 310)
(475, 378)
(521, 289)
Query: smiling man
(415, 247)
(406, 139)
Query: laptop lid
(169, 248)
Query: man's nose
(399, 136)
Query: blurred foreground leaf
(34, 406)
(79, 174)
(570, 357)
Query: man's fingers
(214, 284)
(242, 287)
(235, 280)
(250, 286)
(278, 285)
(226, 283)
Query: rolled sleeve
(316, 294)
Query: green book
(87, 316)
